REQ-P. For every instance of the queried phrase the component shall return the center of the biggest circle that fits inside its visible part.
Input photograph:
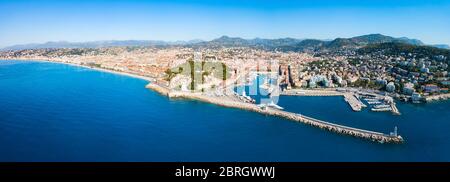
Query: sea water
(57, 112)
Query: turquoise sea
(57, 112)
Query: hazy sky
(25, 21)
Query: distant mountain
(311, 43)
(282, 44)
(98, 44)
(291, 44)
(364, 40)
(304, 45)
(397, 48)
(340, 43)
(442, 46)
(270, 44)
(409, 41)
(226, 41)
(372, 39)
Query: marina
(352, 97)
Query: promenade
(437, 97)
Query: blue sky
(26, 21)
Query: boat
(374, 102)
(381, 109)
(371, 100)
(381, 106)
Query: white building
(390, 87)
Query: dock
(354, 102)
(394, 109)
(349, 97)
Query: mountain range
(290, 44)
(282, 44)
(98, 44)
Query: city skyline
(28, 21)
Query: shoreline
(88, 67)
(326, 92)
(435, 98)
(227, 102)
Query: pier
(225, 101)
(354, 102)
(349, 97)
(394, 109)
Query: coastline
(437, 97)
(87, 67)
(225, 101)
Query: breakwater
(225, 101)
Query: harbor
(228, 101)
(381, 103)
